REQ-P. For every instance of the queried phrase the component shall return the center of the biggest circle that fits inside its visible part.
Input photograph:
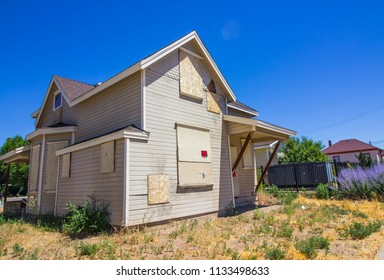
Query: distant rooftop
(349, 145)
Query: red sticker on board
(204, 153)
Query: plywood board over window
(51, 166)
(65, 173)
(191, 83)
(158, 188)
(213, 102)
(108, 157)
(247, 156)
(194, 156)
(34, 165)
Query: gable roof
(348, 146)
(242, 107)
(71, 88)
(76, 92)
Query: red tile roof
(349, 145)
(73, 89)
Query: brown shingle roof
(73, 89)
(349, 145)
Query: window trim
(54, 100)
(336, 158)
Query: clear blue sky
(316, 67)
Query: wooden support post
(7, 183)
(267, 167)
(242, 151)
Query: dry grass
(252, 235)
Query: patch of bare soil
(269, 232)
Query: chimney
(329, 143)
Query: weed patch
(309, 247)
(360, 231)
(274, 254)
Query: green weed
(310, 246)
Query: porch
(246, 135)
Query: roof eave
(252, 113)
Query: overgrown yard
(304, 229)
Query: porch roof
(263, 131)
(20, 154)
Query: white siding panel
(164, 108)
(87, 179)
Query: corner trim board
(126, 183)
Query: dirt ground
(271, 232)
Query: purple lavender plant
(354, 183)
(376, 178)
(359, 183)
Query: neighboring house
(348, 150)
(156, 142)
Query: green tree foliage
(303, 150)
(18, 178)
(365, 160)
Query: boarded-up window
(194, 156)
(108, 157)
(191, 83)
(51, 164)
(158, 188)
(65, 173)
(247, 156)
(34, 166)
(213, 102)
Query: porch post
(7, 182)
(242, 151)
(267, 167)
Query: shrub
(310, 246)
(89, 218)
(274, 254)
(285, 197)
(88, 249)
(258, 215)
(361, 231)
(322, 192)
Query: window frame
(336, 158)
(54, 100)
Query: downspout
(41, 165)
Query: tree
(18, 177)
(303, 150)
(365, 160)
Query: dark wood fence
(309, 174)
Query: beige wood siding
(116, 107)
(48, 116)
(86, 178)
(164, 108)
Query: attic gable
(75, 92)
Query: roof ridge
(74, 80)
